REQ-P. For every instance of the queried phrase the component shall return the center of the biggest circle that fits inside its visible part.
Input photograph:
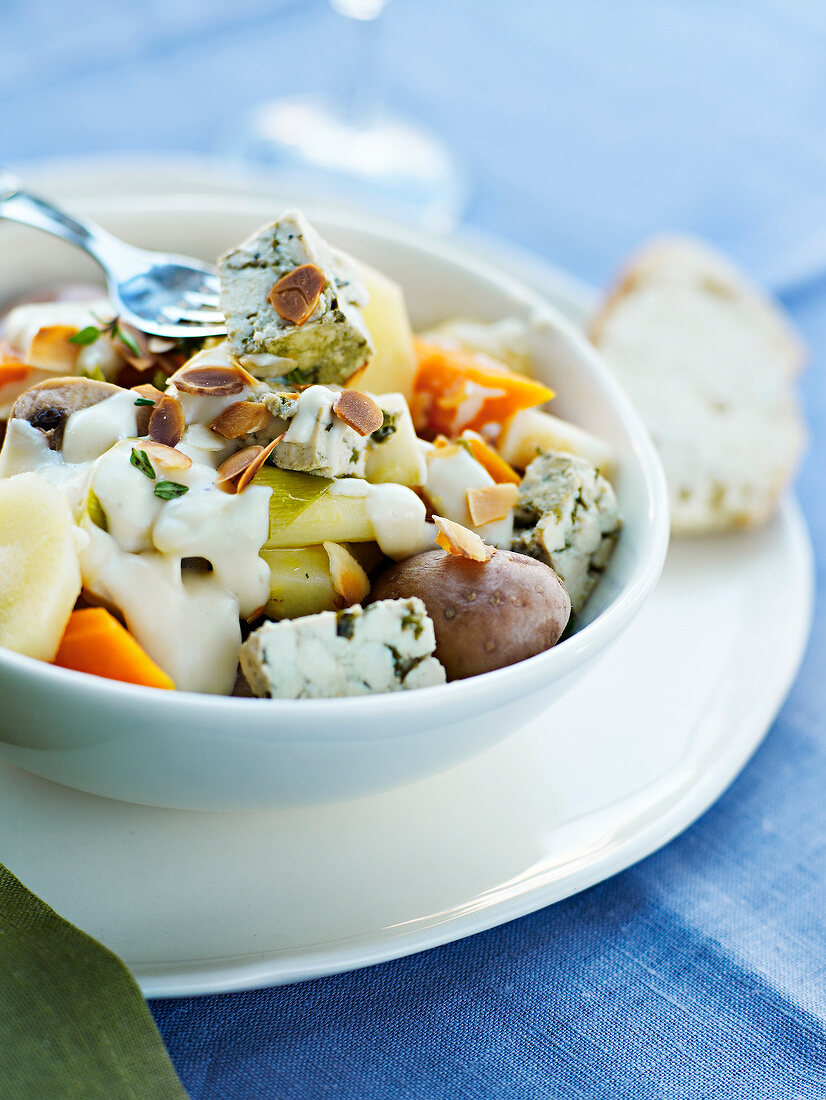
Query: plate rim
(223, 976)
(260, 970)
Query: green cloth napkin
(73, 1023)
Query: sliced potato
(393, 365)
(398, 457)
(531, 432)
(39, 570)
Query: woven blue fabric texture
(699, 974)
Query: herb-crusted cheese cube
(567, 517)
(331, 344)
(316, 441)
(386, 646)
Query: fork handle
(21, 206)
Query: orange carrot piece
(12, 367)
(454, 390)
(95, 642)
(501, 472)
(11, 371)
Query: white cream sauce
(187, 623)
(309, 406)
(25, 448)
(451, 471)
(91, 431)
(396, 514)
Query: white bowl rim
(557, 662)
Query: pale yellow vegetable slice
(330, 518)
(39, 571)
(397, 458)
(301, 582)
(531, 431)
(393, 365)
(305, 509)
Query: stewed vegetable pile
(341, 507)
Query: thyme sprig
(112, 329)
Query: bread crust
(710, 362)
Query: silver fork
(159, 293)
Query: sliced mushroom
(48, 405)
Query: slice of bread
(710, 364)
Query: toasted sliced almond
(209, 381)
(240, 419)
(166, 422)
(167, 457)
(491, 502)
(235, 474)
(51, 350)
(444, 448)
(231, 468)
(249, 473)
(142, 412)
(159, 345)
(296, 294)
(456, 539)
(358, 411)
(349, 579)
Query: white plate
(197, 902)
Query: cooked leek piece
(292, 492)
(330, 517)
(301, 582)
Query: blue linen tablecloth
(701, 972)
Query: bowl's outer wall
(120, 743)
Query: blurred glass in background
(349, 147)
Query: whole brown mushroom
(48, 405)
(486, 615)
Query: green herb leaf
(86, 336)
(298, 376)
(388, 427)
(144, 401)
(168, 490)
(96, 375)
(128, 339)
(140, 460)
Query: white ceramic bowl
(206, 752)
